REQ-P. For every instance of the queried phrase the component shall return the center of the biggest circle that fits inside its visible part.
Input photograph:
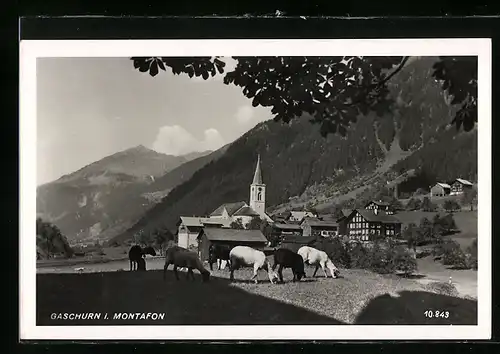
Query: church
(225, 214)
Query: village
(237, 223)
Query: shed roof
(444, 185)
(304, 240)
(215, 234)
(464, 181)
(287, 226)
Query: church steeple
(258, 192)
(257, 177)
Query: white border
(31, 50)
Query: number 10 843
(436, 314)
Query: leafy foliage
(413, 204)
(471, 254)
(332, 91)
(427, 205)
(458, 76)
(50, 240)
(451, 205)
(237, 224)
(336, 250)
(469, 198)
(452, 254)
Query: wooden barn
(363, 224)
(380, 206)
(459, 186)
(281, 229)
(231, 237)
(317, 227)
(440, 190)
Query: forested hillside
(295, 156)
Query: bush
(427, 205)
(413, 204)
(382, 259)
(403, 261)
(336, 250)
(471, 255)
(360, 256)
(442, 288)
(451, 206)
(452, 254)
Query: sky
(89, 108)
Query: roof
(305, 240)
(191, 221)
(287, 226)
(378, 202)
(464, 181)
(301, 214)
(380, 217)
(444, 185)
(215, 234)
(315, 222)
(230, 207)
(246, 211)
(257, 177)
(346, 212)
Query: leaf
(160, 64)
(153, 69)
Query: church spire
(257, 177)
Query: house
(188, 230)
(459, 186)
(281, 229)
(440, 190)
(342, 221)
(317, 227)
(230, 237)
(363, 224)
(299, 216)
(380, 206)
(189, 227)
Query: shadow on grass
(187, 302)
(409, 308)
(412, 276)
(184, 302)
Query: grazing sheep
(244, 256)
(181, 257)
(218, 253)
(319, 258)
(286, 258)
(136, 252)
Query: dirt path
(464, 280)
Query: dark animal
(286, 258)
(141, 264)
(136, 252)
(183, 258)
(218, 253)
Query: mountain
(298, 163)
(107, 196)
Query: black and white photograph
(273, 189)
